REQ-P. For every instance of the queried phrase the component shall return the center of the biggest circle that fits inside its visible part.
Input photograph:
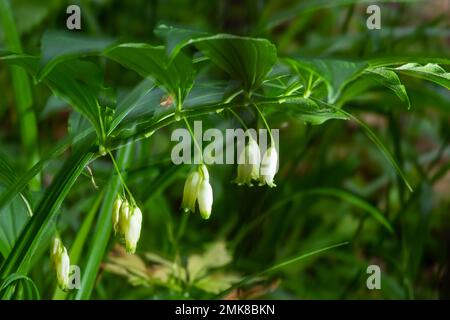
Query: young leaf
(389, 79)
(430, 71)
(336, 73)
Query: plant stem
(272, 141)
(193, 138)
(100, 239)
(239, 119)
(124, 185)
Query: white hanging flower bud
(205, 199)
(133, 231)
(190, 191)
(116, 213)
(248, 164)
(61, 262)
(123, 217)
(269, 165)
(197, 188)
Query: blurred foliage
(333, 184)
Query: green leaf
(336, 73)
(76, 82)
(76, 251)
(16, 186)
(246, 59)
(177, 38)
(176, 76)
(309, 111)
(431, 72)
(31, 237)
(138, 105)
(58, 46)
(389, 79)
(29, 289)
(372, 136)
(398, 60)
(13, 218)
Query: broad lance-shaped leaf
(389, 79)
(430, 71)
(336, 73)
(13, 218)
(76, 82)
(58, 46)
(246, 59)
(36, 230)
(176, 76)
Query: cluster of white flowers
(198, 189)
(127, 221)
(61, 262)
(252, 168)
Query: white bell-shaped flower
(133, 231)
(248, 164)
(124, 213)
(190, 191)
(205, 199)
(116, 213)
(269, 167)
(61, 262)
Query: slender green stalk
(193, 138)
(265, 123)
(239, 119)
(122, 180)
(100, 239)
